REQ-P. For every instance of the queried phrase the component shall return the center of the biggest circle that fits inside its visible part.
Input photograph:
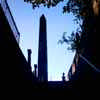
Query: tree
(83, 10)
(79, 8)
(47, 3)
(73, 41)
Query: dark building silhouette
(35, 70)
(73, 68)
(88, 66)
(15, 71)
(42, 52)
(29, 56)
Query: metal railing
(10, 19)
(89, 63)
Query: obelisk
(42, 51)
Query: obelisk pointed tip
(43, 16)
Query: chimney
(35, 70)
(29, 56)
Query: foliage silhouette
(83, 10)
(73, 41)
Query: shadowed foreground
(72, 90)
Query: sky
(27, 21)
